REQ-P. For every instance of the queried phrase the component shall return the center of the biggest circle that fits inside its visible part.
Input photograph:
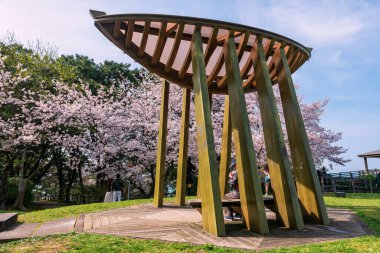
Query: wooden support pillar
(366, 165)
(213, 220)
(308, 187)
(251, 198)
(161, 147)
(183, 148)
(225, 154)
(199, 183)
(284, 191)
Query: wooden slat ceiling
(161, 43)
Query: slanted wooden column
(213, 221)
(366, 165)
(183, 148)
(308, 187)
(225, 154)
(199, 182)
(283, 186)
(251, 198)
(161, 147)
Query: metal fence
(350, 182)
(71, 198)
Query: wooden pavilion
(365, 156)
(214, 57)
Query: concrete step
(7, 220)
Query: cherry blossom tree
(115, 130)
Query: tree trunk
(61, 184)
(72, 176)
(81, 184)
(19, 203)
(3, 188)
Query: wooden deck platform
(184, 224)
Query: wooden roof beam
(144, 39)
(240, 50)
(116, 30)
(129, 35)
(173, 53)
(218, 65)
(160, 44)
(254, 52)
(187, 61)
(211, 45)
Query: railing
(350, 182)
(72, 198)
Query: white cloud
(319, 23)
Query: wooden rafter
(128, 40)
(219, 62)
(173, 53)
(240, 50)
(160, 44)
(211, 45)
(268, 48)
(116, 30)
(145, 27)
(187, 61)
(144, 39)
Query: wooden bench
(234, 203)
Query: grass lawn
(367, 206)
(75, 210)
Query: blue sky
(344, 35)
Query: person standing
(117, 187)
(266, 180)
(109, 197)
(233, 190)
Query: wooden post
(352, 183)
(213, 220)
(284, 191)
(183, 148)
(199, 182)
(333, 184)
(366, 165)
(225, 154)
(161, 147)
(308, 187)
(251, 198)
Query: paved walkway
(184, 224)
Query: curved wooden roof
(161, 43)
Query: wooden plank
(218, 65)
(183, 148)
(308, 187)
(252, 203)
(161, 147)
(241, 49)
(171, 28)
(131, 27)
(144, 39)
(173, 53)
(213, 221)
(116, 30)
(161, 40)
(211, 45)
(248, 64)
(254, 56)
(225, 154)
(289, 211)
(187, 61)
